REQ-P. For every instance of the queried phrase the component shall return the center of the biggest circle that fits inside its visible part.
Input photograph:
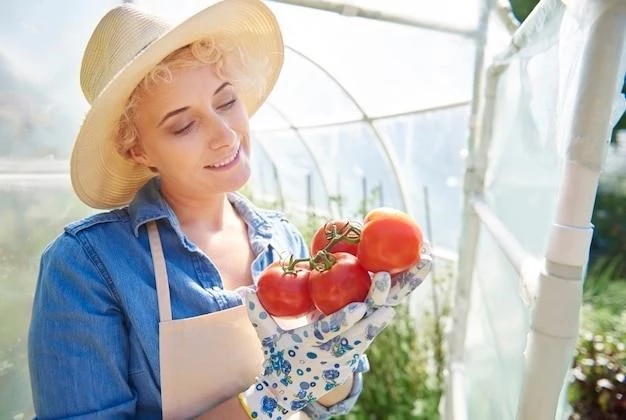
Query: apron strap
(160, 272)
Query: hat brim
(100, 176)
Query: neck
(210, 213)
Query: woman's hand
(304, 364)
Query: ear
(138, 154)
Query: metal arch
(351, 10)
(384, 144)
(281, 196)
(379, 118)
(316, 163)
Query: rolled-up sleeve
(78, 346)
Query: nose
(220, 134)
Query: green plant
(605, 288)
(400, 383)
(609, 220)
(598, 386)
(407, 361)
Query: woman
(138, 310)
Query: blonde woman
(148, 309)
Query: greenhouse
(492, 134)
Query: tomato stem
(290, 267)
(351, 232)
(324, 259)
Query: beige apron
(206, 359)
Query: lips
(228, 160)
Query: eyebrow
(185, 108)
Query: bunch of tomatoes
(343, 254)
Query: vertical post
(309, 192)
(455, 407)
(438, 345)
(339, 202)
(555, 317)
(364, 205)
(279, 185)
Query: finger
(357, 339)
(263, 323)
(404, 283)
(379, 290)
(331, 325)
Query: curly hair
(229, 60)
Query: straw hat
(126, 44)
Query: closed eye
(185, 129)
(227, 105)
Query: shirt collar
(149, 205)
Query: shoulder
(74, 241)
(97, 220)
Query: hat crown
(120, 35)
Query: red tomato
(323, 235)
(345, 282)
(284, 294)
(390, 241)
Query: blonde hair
(229, 60)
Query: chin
(237, 181)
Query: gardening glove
(305, 363)
(402, 284)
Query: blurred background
(369, 111)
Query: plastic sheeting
(521, 188)
(31, 217)
(522, 185)
(41, 103)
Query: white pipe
(504, 15)
(454, 405)
(507, 242)
(456, 402)
(370, 119)
(524, 264)
(33, 166)
(20, 181)
(352, 10)
(533, 27)
(473, 187)
(555, 319)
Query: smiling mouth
(228, 162)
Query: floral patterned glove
(305, 363)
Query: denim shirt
(93, 339)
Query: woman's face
(194, 131)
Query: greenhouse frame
(492, 135)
